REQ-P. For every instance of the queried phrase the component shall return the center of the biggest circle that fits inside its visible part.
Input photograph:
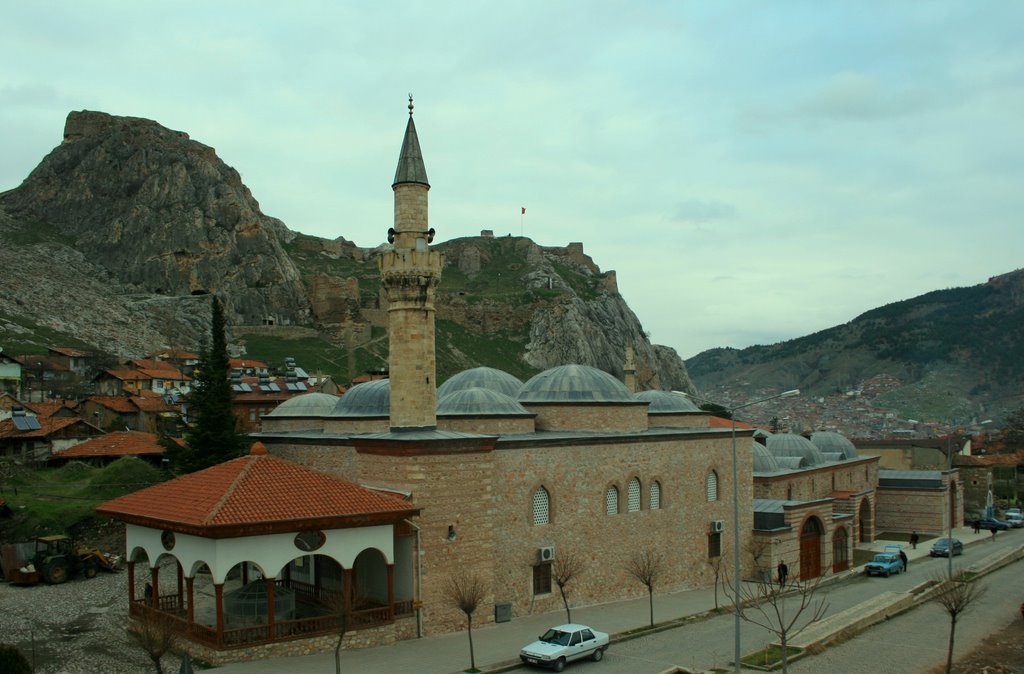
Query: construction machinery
(58, 558)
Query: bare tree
(338, 605)
(717, 565)
(783, 613)
(466, 593)
(646, 566)
(154, 632)
(956, 596)
(756, 549)
(568, 564)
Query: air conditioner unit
(717, 526)
(546, 554)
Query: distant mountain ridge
(973, 337)
(114, 239)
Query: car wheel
(887, 573)
(598, 654)
(559, 664)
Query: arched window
(633, 495)
(541, 506)
(655, 495)
(611, 499)
(712, 486)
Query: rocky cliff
(119, 232)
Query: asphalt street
(912, 642)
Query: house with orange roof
(282, 565)
(185, 361)
(248, 367)
(121, 380)
(143, 411)
(35, 439)
(163, 377)
(73, 360)
(108, 447)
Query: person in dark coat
(783, 573)
(914, 538)
(903, 558)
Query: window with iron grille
(633, 495)
(541, 506)
(611, 498)
(715, 545)
(712, 486)
(542, 578)
(655, 495)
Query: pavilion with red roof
(284, 547)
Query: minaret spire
(410, 273)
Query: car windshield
(887, 557)
(556, 637)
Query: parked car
(1014, 510)
(885, 563)
(942, 547)
(563, 644)
(991, 523)
(1016, 519)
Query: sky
(752, 171)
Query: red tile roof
(246, 363)
(47, 409)
(47, 425)
(126, 374)
(119, 404)
(69, 352)
(123, 443)
(258, 493)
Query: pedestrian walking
(783, 573)
(977, 525)
(903, 558)
(914, 538)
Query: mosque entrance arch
(865, 530)
(810, 548)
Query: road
(912, 642)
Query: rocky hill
(114, 239)
(949, 355)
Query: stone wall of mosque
(356, 424)
(457, 523)
(600, 417)
(821, 482)
(921, 510)
(486, 425)
(577, 477)
(338, 460)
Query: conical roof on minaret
(410, 161)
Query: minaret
(629, 370)
(410, 273)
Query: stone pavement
(497, 646)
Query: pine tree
(213, 436)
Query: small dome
(306, 405)
(480, 401)
(832, 442)
(666, 402)
(574, 383)
(481, 377)
(369, 399)
(764, 460)
(791, 445)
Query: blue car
(993, 524)
(885, 563)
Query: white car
(563, 644)
(1015, 519)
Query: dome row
(487, 391)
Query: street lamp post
(736, 517)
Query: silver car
(563, 644)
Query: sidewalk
(497, 646)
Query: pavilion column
(391, 591)
(271, 608)
(181, 593)
(219, 592)
(131, 582)
(154, 574)
(346, 591)
(190, 583)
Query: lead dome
(574, 383)
(479, 401)
(306, 405)
(369, 399)
(790, 445)
(830, 442)
(481, 377)
(666, 402)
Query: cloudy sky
(753, 171)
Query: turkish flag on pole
(524, 211)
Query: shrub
(12, 661)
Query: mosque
(369, 505)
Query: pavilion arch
(840, 550)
